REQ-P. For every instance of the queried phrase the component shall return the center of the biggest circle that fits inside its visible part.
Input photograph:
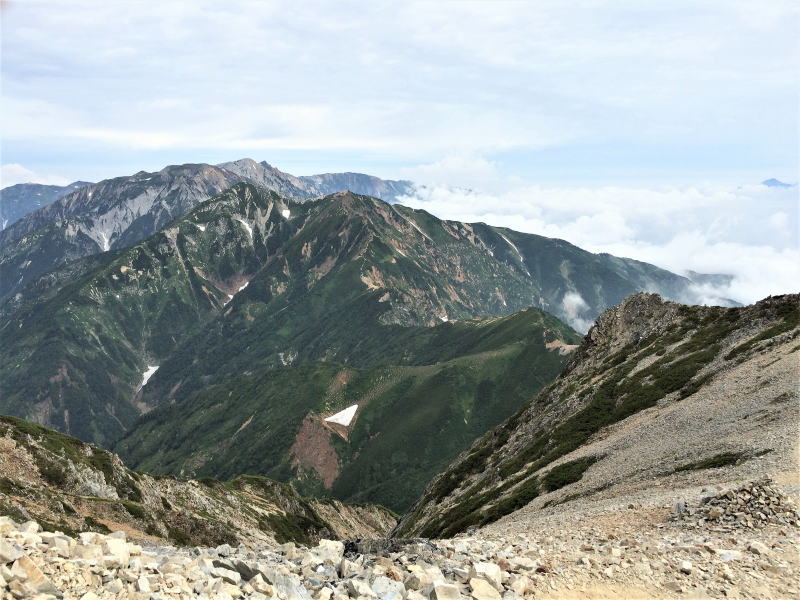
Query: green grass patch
(714, 462)
(567, 473)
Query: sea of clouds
(749, 232)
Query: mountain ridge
(603, 418)
(116, 213)
(252, 269)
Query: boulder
(489, 572)
(388, 589)
(483, 590)
(8, 553)
(442, 591)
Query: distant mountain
(253, 279)
(117, 213)
(655, 392)
(776, 183)
(314, 186)
(18, 200)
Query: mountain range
(325, 332)
(116, 213)
(18, 200)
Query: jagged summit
(117, 213)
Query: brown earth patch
(560, 346)
(312, 448)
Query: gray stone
(8, 553)
(442, 591)
(388, 589)
(483, 590)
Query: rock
(117, 550)
(143, 585)
(30, 579)
(520, 584)
(30, 527)
(289, 587)
(358, 588)
(8, 553)
(417, 580)
(758, 548)
(488, 571)
(388, 589)
(686, 567)
(227, 575)
(442, 591)
(483, 590)
(729, 555)
(715, 512)
(348, 568)
(329, 551)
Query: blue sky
(558, 92)
(637, 128)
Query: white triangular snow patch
(148, 374)
(344, 417)
(286, 213)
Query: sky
(638, 128)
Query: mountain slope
(116, 213)
(70, 486)
(18, 200)
(73, 357)
(335, 279)
(656, 390)
(459, 379)
(358, 263)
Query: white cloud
(750, 232)
(406, 84)
(574, 307)
(13, 173)
(454, 170)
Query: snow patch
(200, 227)
(286, 213)
(344, 417)
(444, 319)
(243, 286)
(148, 374)
(106, 245)
(248, 227)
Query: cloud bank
(14, 173)
(749, 232)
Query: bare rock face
(636, 318)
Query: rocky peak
(635, 318)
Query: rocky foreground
(732, 543)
